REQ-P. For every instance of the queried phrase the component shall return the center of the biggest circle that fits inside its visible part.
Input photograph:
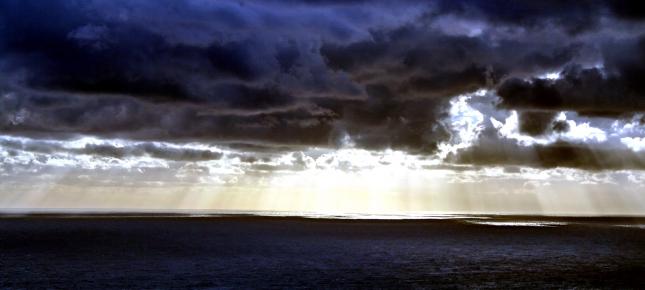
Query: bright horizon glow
(128, 175)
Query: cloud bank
(373, 75)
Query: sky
(452, 106)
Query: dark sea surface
(231, 252)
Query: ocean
(179, 251)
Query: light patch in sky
(452, 25)
(550, 75)
(634, 143)
(464, 122)
(319, 180)
(577, 132)
(103, 173)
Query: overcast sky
(495, 106)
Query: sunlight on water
(519, 223)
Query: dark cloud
(613, 90)
(308, 72)
(560, 126)
(150, 149)
(573, 16)
(412, 62)
(559, 154)
(410, 72)
(535, 122)
(628, 9)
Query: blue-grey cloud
(309, 72)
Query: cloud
(559, 154)
(566, 140)
(535, 122)
(119, 149)
(525, 14)
(613, 89)
(382, 75)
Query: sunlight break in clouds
(322, 106)
(172, 175)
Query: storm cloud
(366, 74)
